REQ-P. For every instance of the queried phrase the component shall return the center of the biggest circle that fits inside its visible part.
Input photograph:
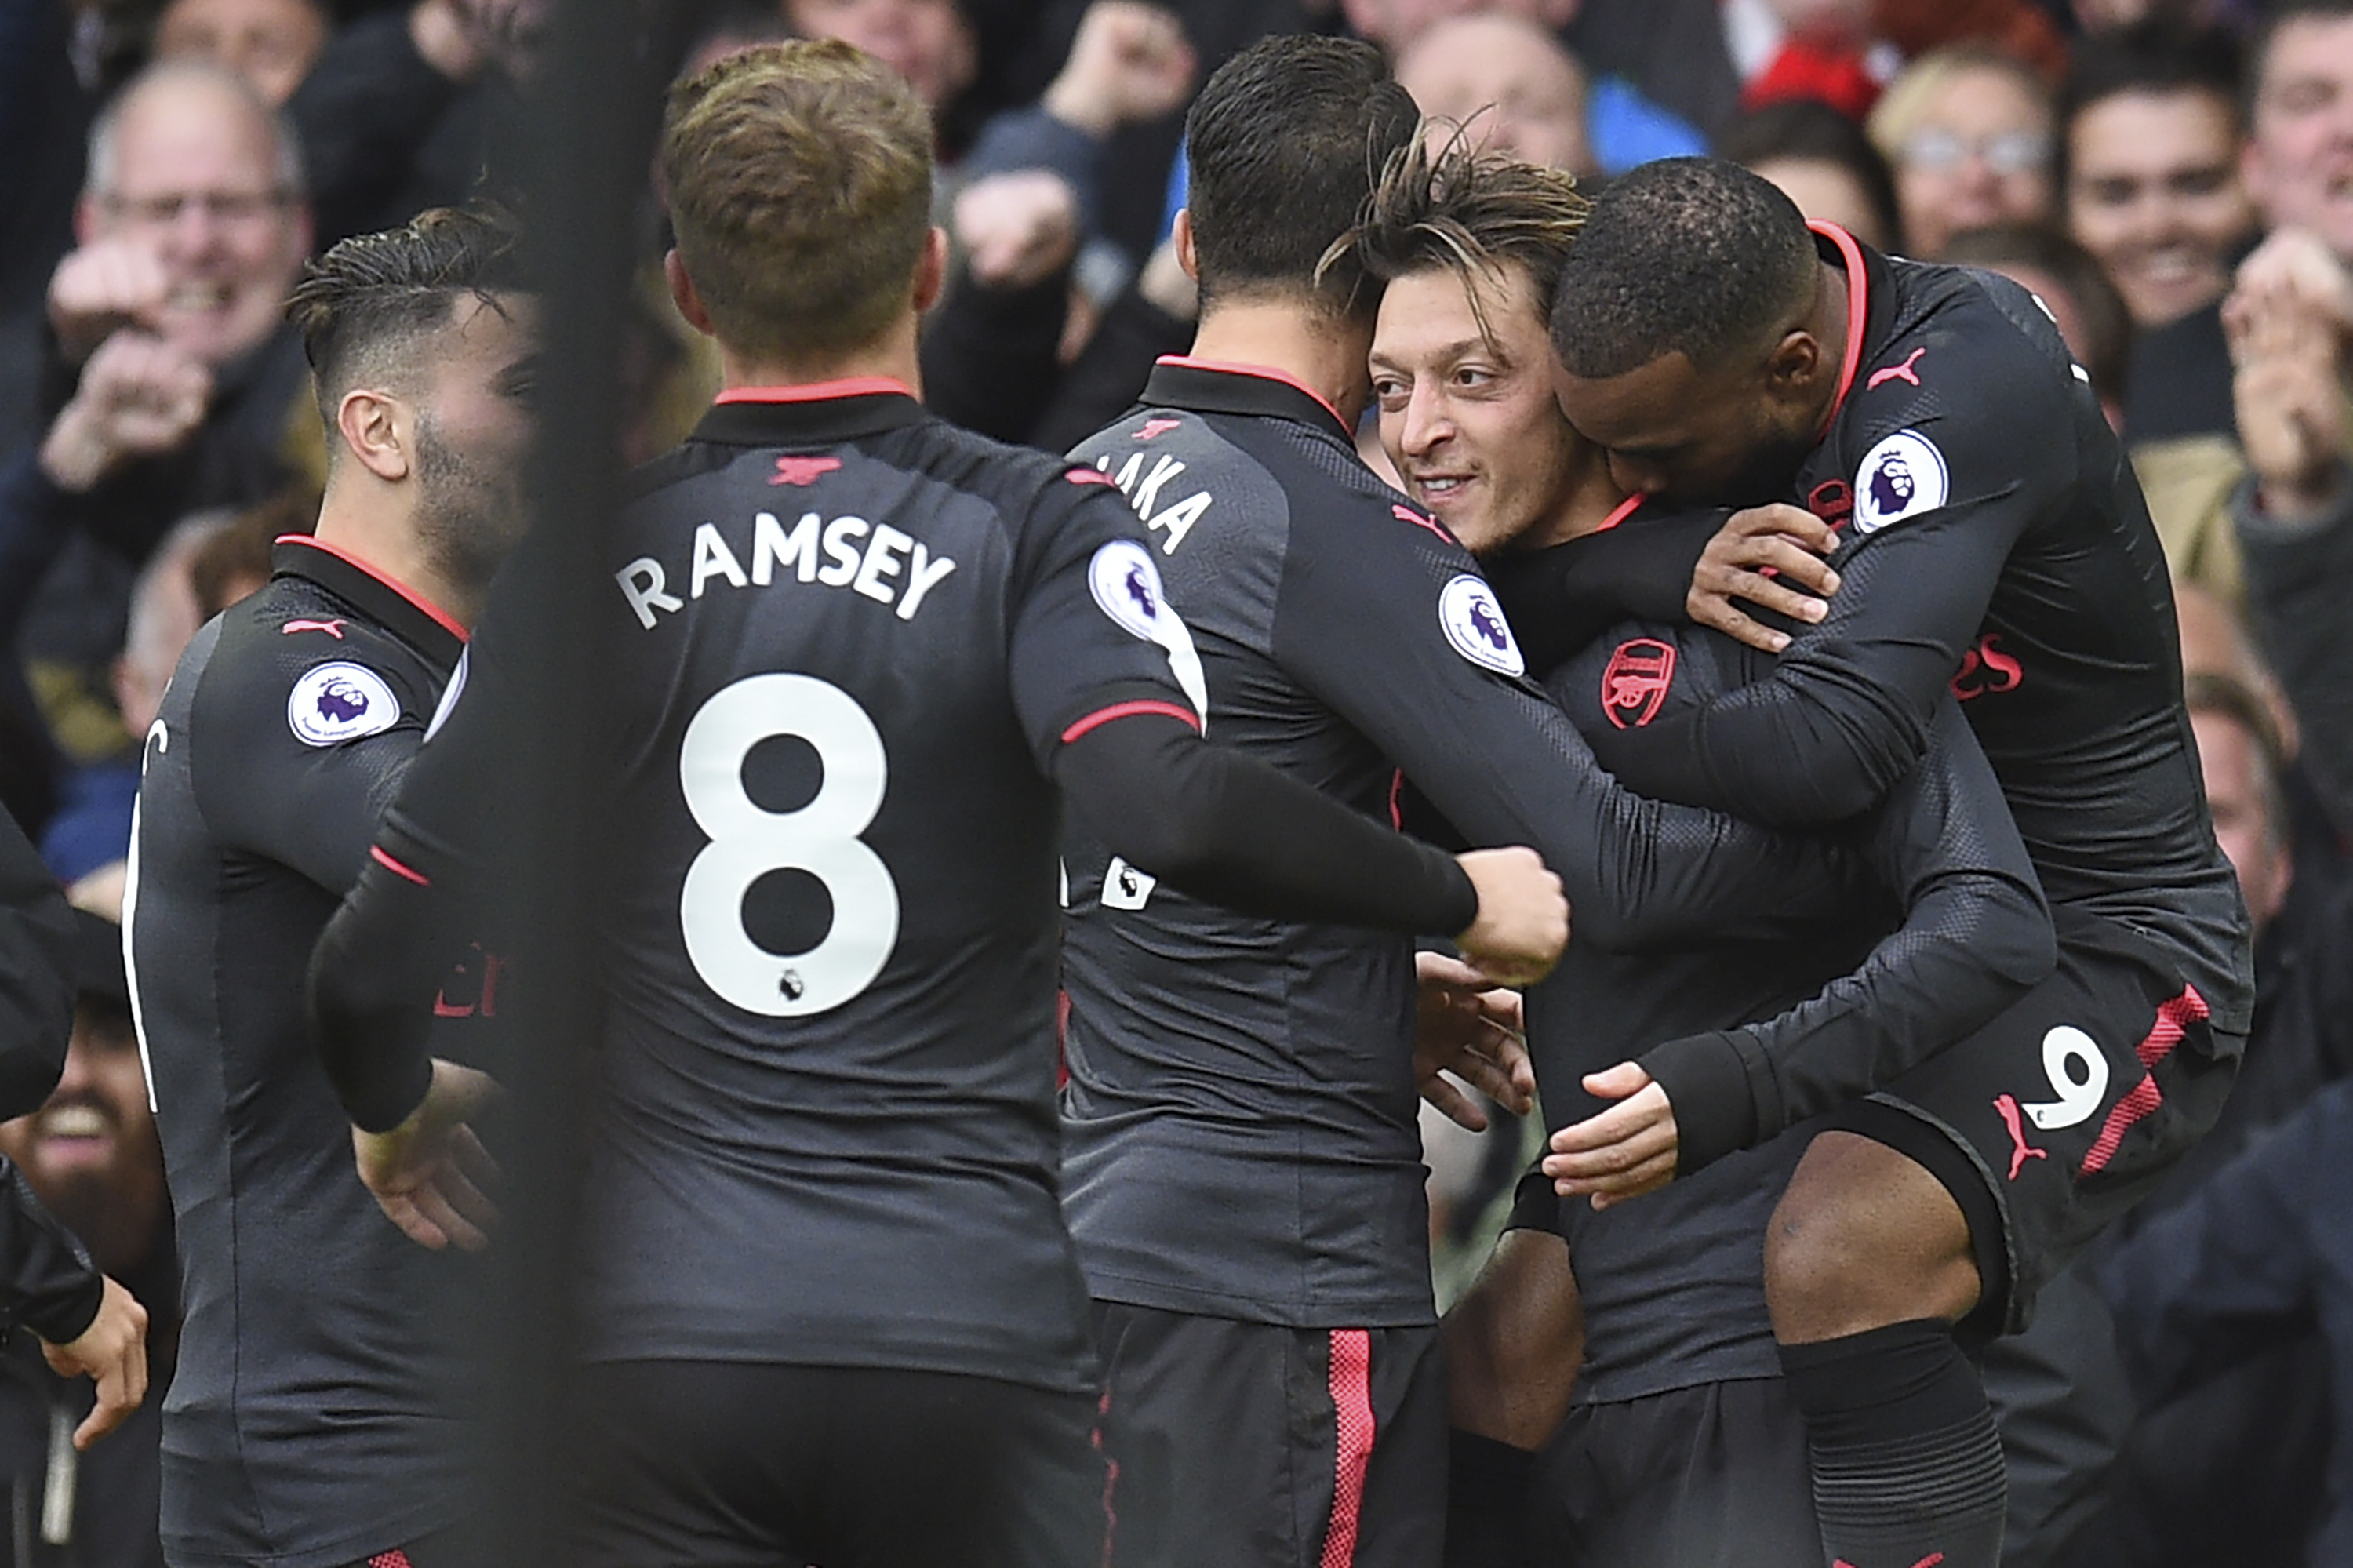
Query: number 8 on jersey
(821, 839)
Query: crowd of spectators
(2174, 178)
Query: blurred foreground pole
(579, 170)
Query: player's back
(830, 1136)
(1969, 426)
(1240, 1131)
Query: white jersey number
(2078, 1075)
(820, 838)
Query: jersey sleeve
(1947, 481)
(1976, 935)
(1387, 621)
(37, 978)
(297, 759)
(1089, 634)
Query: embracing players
(861, 662)
(1996, 547)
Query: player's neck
(1828, 325)
(1324, 356)
(892, 358)
(385, 538)
(1591, 496)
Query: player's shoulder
(1965, 341)
(291, 661)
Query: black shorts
(1253, 1446)
(1710, 1476)
(708, 1463)
(2061, 1112)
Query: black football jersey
(1239, 1133)
(1994, 545)
(305, 1426)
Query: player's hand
(1523, 920)
(1128, 62)
(112, 1354)
(1766, 554)
(1619, 1153)
(1017, 228)
(139, 397)
(428, 1173)
(106, 285)
(1472, 1028)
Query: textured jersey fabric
(303, 1426)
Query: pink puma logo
(2006, 1107)
(334, 629)
(1156, 428)
(1903, 372)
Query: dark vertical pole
(579, 165)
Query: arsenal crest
(1636, 681)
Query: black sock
(1907, 1466)
(1486, 1502)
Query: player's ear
(932, 270)
(1181, 233)
(1796, 366)
(682, 294)
(374, 429)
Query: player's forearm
(372, 980)
(1230, 830)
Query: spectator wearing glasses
(171, 380)
(1968, 131)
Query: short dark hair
(1468, 212)
(1804, 130)
(1283, 145)
(362, 307)
(2158, 56)
(2283, 12)
(1689, 256)
(2107, 324)
(800, 192)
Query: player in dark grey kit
(1243, 1167)
(1681, 1449)
(1999, 550)
(832, 1313)
(304, 1427)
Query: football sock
(1907, 1466)
(1486, 1502)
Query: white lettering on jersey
(1142, 491)
(450, 695)
(1125, 887)
(642, 584)
(1127, 587)
(334, 703)
(1902, 477)
(890, 568)
(1474, 622)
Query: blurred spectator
(270, 43)
(1823, 161)
(92, 1155)
(929, 42)
(1456, 55)
(2151, 145)
(401, 108)
(1968, 130)
(175, 385)
(1513, 83)
(2301, 94)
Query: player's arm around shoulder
(299, 732)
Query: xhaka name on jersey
(892, 568)
(1142, 487)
